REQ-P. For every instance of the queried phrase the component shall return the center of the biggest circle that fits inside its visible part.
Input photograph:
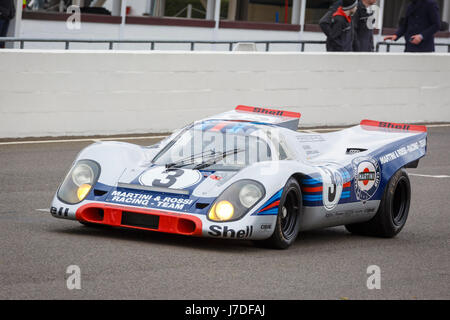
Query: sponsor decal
(148, 200)
(367, 173)
(339, 214)
(170, 178)
(271, 112)
(332, 182)
(354, 150)
(60, 212)
(266, 227)
(390, 125)
(225, 232)
(310, 138)
(403, 151)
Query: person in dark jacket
(7, 12)
(419, 26)
(363, 28)
(326, 21)
(340, 37)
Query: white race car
(248, 174)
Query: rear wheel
(288, 218)
(393, 211)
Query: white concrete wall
(57, 93)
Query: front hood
(175, 189)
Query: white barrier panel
(60, 93)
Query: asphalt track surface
(36, 249)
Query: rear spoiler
(281, 118)
(389, 126)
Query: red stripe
(275, 204)
(320, 189)
(270, 112)
(314, 189)
(392, 126)
(219, 126)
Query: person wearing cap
(340, 37)
(421, 22)
(363, 38)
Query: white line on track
(82, 140)
(164, 136)
(428, 175)
(43, 210)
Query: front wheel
(288, 218)
(393, 211)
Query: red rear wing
(389, 126)
(269, 112)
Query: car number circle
(170, 178)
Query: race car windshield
(215, 148)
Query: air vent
(200, 205)
(99, 193)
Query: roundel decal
(172, 178)
(367, 177)
(332, 187)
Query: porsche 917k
(248, 174)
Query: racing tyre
(393, 211)
(288, 218)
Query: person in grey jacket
(363, 28)
(340, 37)
(7, 12)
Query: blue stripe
(312, 197)
(311, 181)
(345, 194)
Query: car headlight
(79, 181)
(236, 201)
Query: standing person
(363, 38)
(326, 21)
(340, 36)
(7, 12)
(419, 26)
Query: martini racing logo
(367, 173)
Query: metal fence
(152, 43)
(192, 43)
(390, 44)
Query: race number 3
(172, 178)
(169, 179)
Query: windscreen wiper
(189, 160)
(218, 157)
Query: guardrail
(192, 43)
(389, 44)
(152, 43)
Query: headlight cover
(236, 201)
(79, 181)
